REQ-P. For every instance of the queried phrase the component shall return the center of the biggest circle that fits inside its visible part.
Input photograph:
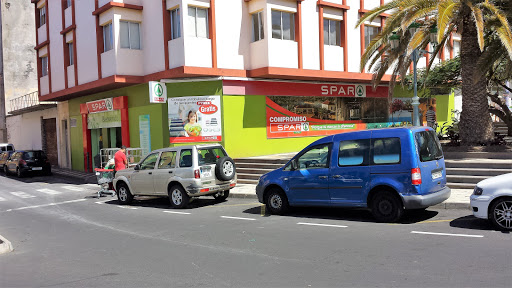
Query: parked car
(386, 170)
(180, 173)
(4, 156)
(28, 161)
(492, 200)
(6, 147)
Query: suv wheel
(225, 169)
(221, 196)
(386, 207)
(501, 214)
(123, 194)
(276, 202)
(178, 197)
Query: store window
(108, 38)
(257, 27)
(130, 35)
(175, 23)
(332, 32)
(369, 33)
(283, 25)
(198, 22)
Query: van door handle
(322, 177)
(150, 173)
(170, 172)
(336, 176)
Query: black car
(4, 156)
(28, 161)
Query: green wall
(138, 104)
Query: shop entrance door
(104, 138)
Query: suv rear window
(209, 155)
(428, 145)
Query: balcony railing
(27, 101)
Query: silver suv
(180, 173)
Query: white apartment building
(96, 50)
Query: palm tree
(470, 18)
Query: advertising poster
(195, 119)
(321, 116)
(144, 134)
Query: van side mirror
(137, 167)
(294, 164)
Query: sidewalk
(459, 198)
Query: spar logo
(208, 108)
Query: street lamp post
(416, 55)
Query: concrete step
(258, 165)
(461, 185)
(246, 181)
(476, 171)
(479, 163)
(465, 179)
(246, 176)
(252, 171)
(477, 155)
(261, 161)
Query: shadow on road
(41, 179)
(161, 202)
(346, 214)
(471, 222)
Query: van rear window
(428, 145)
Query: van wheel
(386, 207)
(123, 194)
(178, 197)
(225, 169)
(276, 202)
(221, 196)
(501, 214)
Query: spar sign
(102, 105)
(157, 92)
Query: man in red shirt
(120, 159)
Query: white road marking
(238, 218)
(49, 191)
(127, 207)
(46, 205)
(22, 195)
(102, 202)
(447, 234)
(2, 199)
(324, 225)
(176, 212)
(72, 188)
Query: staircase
(502, 128)
(463, 169)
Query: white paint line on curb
(447, 234)
(324, 225)
(45, 205)
(22, 195)
(237, 218)
(102, 202)
(72, 188)
(48, 191)
(126, 207)
(176, 212)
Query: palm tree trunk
(475, 121)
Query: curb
(74, 177)
(5, 245)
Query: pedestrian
(431, 117)
(120, 159)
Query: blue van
(387, 170)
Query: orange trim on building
(344, 40)
(213, 35)
(321, 27)
(451, 45)
(47, 42)
(167, 32)
(317, 75)
(65, 51)
(75, 56)
(112, 4)
(71, 27)
(333, 5)
(48, 37)
(99, 40)
(298, 32)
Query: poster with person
(194, 119)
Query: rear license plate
(437, 175)
(206, 172)
(37, 168)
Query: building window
(130, 35)
(70, 53)
(44, 66)
(257, 27)
(175, 23)
(42, 16)
(198, 22)
(108, 39)
(456, 48)
(283, 25)
(369, 33)
(67, 4)
(332, 32)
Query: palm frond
(446, 11)
(479, 22)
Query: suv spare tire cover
(219, 171)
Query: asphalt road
(65, 237)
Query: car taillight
(23, 162)
(197, 175)
(416, 176)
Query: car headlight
(478, 191)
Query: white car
(492, 199)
